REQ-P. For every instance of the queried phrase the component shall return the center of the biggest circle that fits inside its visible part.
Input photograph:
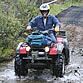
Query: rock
(82, 55)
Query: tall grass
(57, 8)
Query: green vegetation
(57, 8)
(14, 16)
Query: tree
(14, 16)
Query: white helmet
(44, 7)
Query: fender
(22, 50)
(19, 45)
(53, 51)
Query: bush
(14, 16)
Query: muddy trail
(73, 15)
(72, 22)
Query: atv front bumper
(38, 63)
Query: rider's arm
(32, 23)
(56, 23)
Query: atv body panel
(36, 54)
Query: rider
(45, 21)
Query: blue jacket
(39, 22)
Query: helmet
(44, 7)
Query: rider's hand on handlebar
(57, 28)
(28, 28)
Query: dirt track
(73, 15)
(72, 22)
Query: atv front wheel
(59, 67)
(20, 67)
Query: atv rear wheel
(67, 57)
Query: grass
(57, 8)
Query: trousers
(50, 38)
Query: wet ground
(73, 15)
(73, 74)
(74, 71)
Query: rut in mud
(72, 22)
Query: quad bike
(36, 54)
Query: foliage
(57, 8)
(14, 16)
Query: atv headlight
(46, 49)
(28, 48)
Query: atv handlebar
(24, 32)
(46, 31)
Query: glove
(28, 28)
(57, 29)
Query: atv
(36, 54)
